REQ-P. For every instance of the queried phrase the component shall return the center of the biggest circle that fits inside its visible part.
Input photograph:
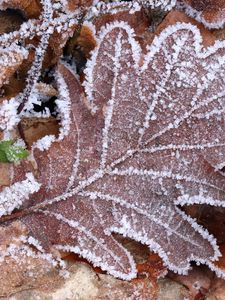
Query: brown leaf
(211, 218)
(31, 8)
(153, 268)
(36, 128)
(99, 178)
(198, 282)
(176, 16)
(10, 21)
(11, 59)
(22, 267)
(217, 290)
(74, 4)
(148, 138)
(210, 12)
(139, 21)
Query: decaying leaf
(31, 8)
(210, 12)
(149, 137)
(198, 282)
(36, 128)
(22, 268)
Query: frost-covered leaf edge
(152, 50)
(199, 15)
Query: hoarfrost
(13, 197)
(215, 20)
(8, 114)
(44, 143)
(162, 4)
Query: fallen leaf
(198, 282)
(211, 12)
(175, 16)
(31, 8)
(22, 268)
(36, 128)
(11, 59)
(142, 150)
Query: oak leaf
(150, 139)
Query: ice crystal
(8, 115)
(12, 197)
(10, 58)
(162, 4)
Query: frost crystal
(63, 107)
(10, 58)
(162, 4)
(8, 115)
(13, 197)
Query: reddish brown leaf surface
(31, 8)
(150, 138)
(210, 12)
(21, 267)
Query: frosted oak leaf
(151, 138)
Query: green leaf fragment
(3, 157)
(11, 153)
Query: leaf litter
(145, 138)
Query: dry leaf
(210, 12)
(31, 8)
(148, 147)
(11, 58)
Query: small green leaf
(11, 153)
(3, 157)
(5, 144)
